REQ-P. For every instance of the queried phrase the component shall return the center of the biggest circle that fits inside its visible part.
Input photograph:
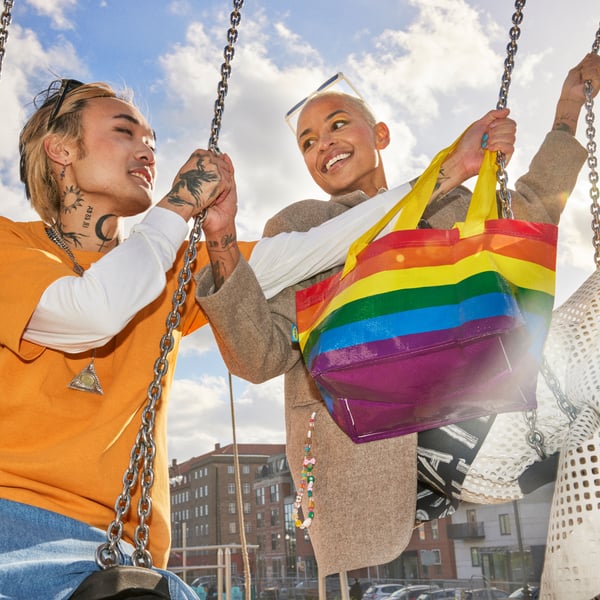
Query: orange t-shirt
(66, 450)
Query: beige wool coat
(365, 494)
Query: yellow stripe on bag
(522, 274)
(410, 208)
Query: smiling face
(115, 167)
(341, 146)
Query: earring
(62, 173)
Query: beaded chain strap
(307, 480)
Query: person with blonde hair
(83, 315)
(367, 497)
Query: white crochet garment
(573, 353)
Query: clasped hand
(206, 181)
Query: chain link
(535, 438)
(141, 462)
(222, 87)
(592, 160)
(509, 63)
(5, 19)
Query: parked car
(485, 594)
(211, 583)
(534, 593)
(445, 594)
(411, 592)
(308, 589)
(381, 590)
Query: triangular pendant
(87, 381)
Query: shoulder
(302, 215)
(21, 230)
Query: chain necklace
(87, 379)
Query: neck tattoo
(87, 379)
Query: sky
(428, 68)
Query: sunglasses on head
(66, 87)
(55, 94)
(335, 79)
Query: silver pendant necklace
(87, 379)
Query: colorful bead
(307, 480)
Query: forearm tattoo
(438, 191)
(222, 255)
(192, 181)
(565, 122)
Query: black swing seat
(122, 583)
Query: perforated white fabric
(571, 351)
(571, 566)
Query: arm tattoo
(437, 192)
(561, 125)
(218, 273)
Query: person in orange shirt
(83, 315)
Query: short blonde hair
(40, 184)
(358, 103)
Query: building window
(260, 521)
(421, 529)
(232, 508)
(246, 488)
(435, 530)
(260, 496)
(231, 488)
(475, 558)
(246, 469)
(232, 527)
(274, 516)
(273, 541)
(247, 508)
(230, 469)
(274, 493)
(504, 524)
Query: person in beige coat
(365, 495)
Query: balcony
(466, 531)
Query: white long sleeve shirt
(76, 314)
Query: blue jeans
(45, 556)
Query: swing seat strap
(123, 583)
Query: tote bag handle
(411, 207)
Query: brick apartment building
(204, 512)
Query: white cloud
(56, 11)
(200, 414)
(427, 71)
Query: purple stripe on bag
(409, 345)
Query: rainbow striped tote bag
(427, 327)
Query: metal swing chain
(592, 160)
(509, 63)
(5, 19)
(535, 438)
(143, 452)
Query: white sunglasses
(337, 78)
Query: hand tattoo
(192, 181)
